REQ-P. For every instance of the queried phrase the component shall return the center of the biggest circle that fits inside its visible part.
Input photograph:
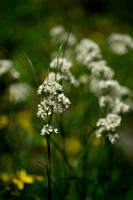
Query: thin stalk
(62, 133)
(110, 146)
(49, 167)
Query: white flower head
(100, 70)
(53, 101)
(113, 137)
(48, 129)
(50, 88)
(109, 125)
(52, 76)
(5, 66)
(59, 35)
(63, 64)
(87, 51)
(19, 92)
(120, 43)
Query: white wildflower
(14, 74)
(109, 87)
(106, 101)
(62, 103)
(19, 92)
(48, 129)
(53, 100)
(5, 66)
(120, 107)
(59, 35)
(63, 64)
(113, 137)
(87, 51)
(124, 91)
(100, 131)
(99, 69)
(50, 88)
(108, 124)
(64, 73)
(45, 108)
(71, 39)
(115, 105)
(120, 43)
(52, 76)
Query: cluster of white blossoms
(59, 35)
(87, 51)
(113, 98)
(6, 67)
(109, 125)
(19, 92)
(120, 43)
(100, 70)
(48, 129)
(53, 100)
(111, 95)
(63, 66)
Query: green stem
(49, 167)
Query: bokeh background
(24, 35)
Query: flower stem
(49, 166)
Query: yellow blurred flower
(4, 121)
(39, 178)
(6, 177)
(73, 145)
(24, 119)
(19, 178)
(22, 178)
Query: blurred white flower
(64, 66)
(19, 92)
(59, 35)
(87, 51)
(120, 43)
(5, 66)
(100, 70)
(113, 138)
(52, 76)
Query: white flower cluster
(64, 73)
(87, 51)
(112, 96)
(109, 125)
(63, 64)
(120, 43)
(100, 70)
(59, 35)
(48, 129)
(19, 92)
(53, 100)
(6, 67)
